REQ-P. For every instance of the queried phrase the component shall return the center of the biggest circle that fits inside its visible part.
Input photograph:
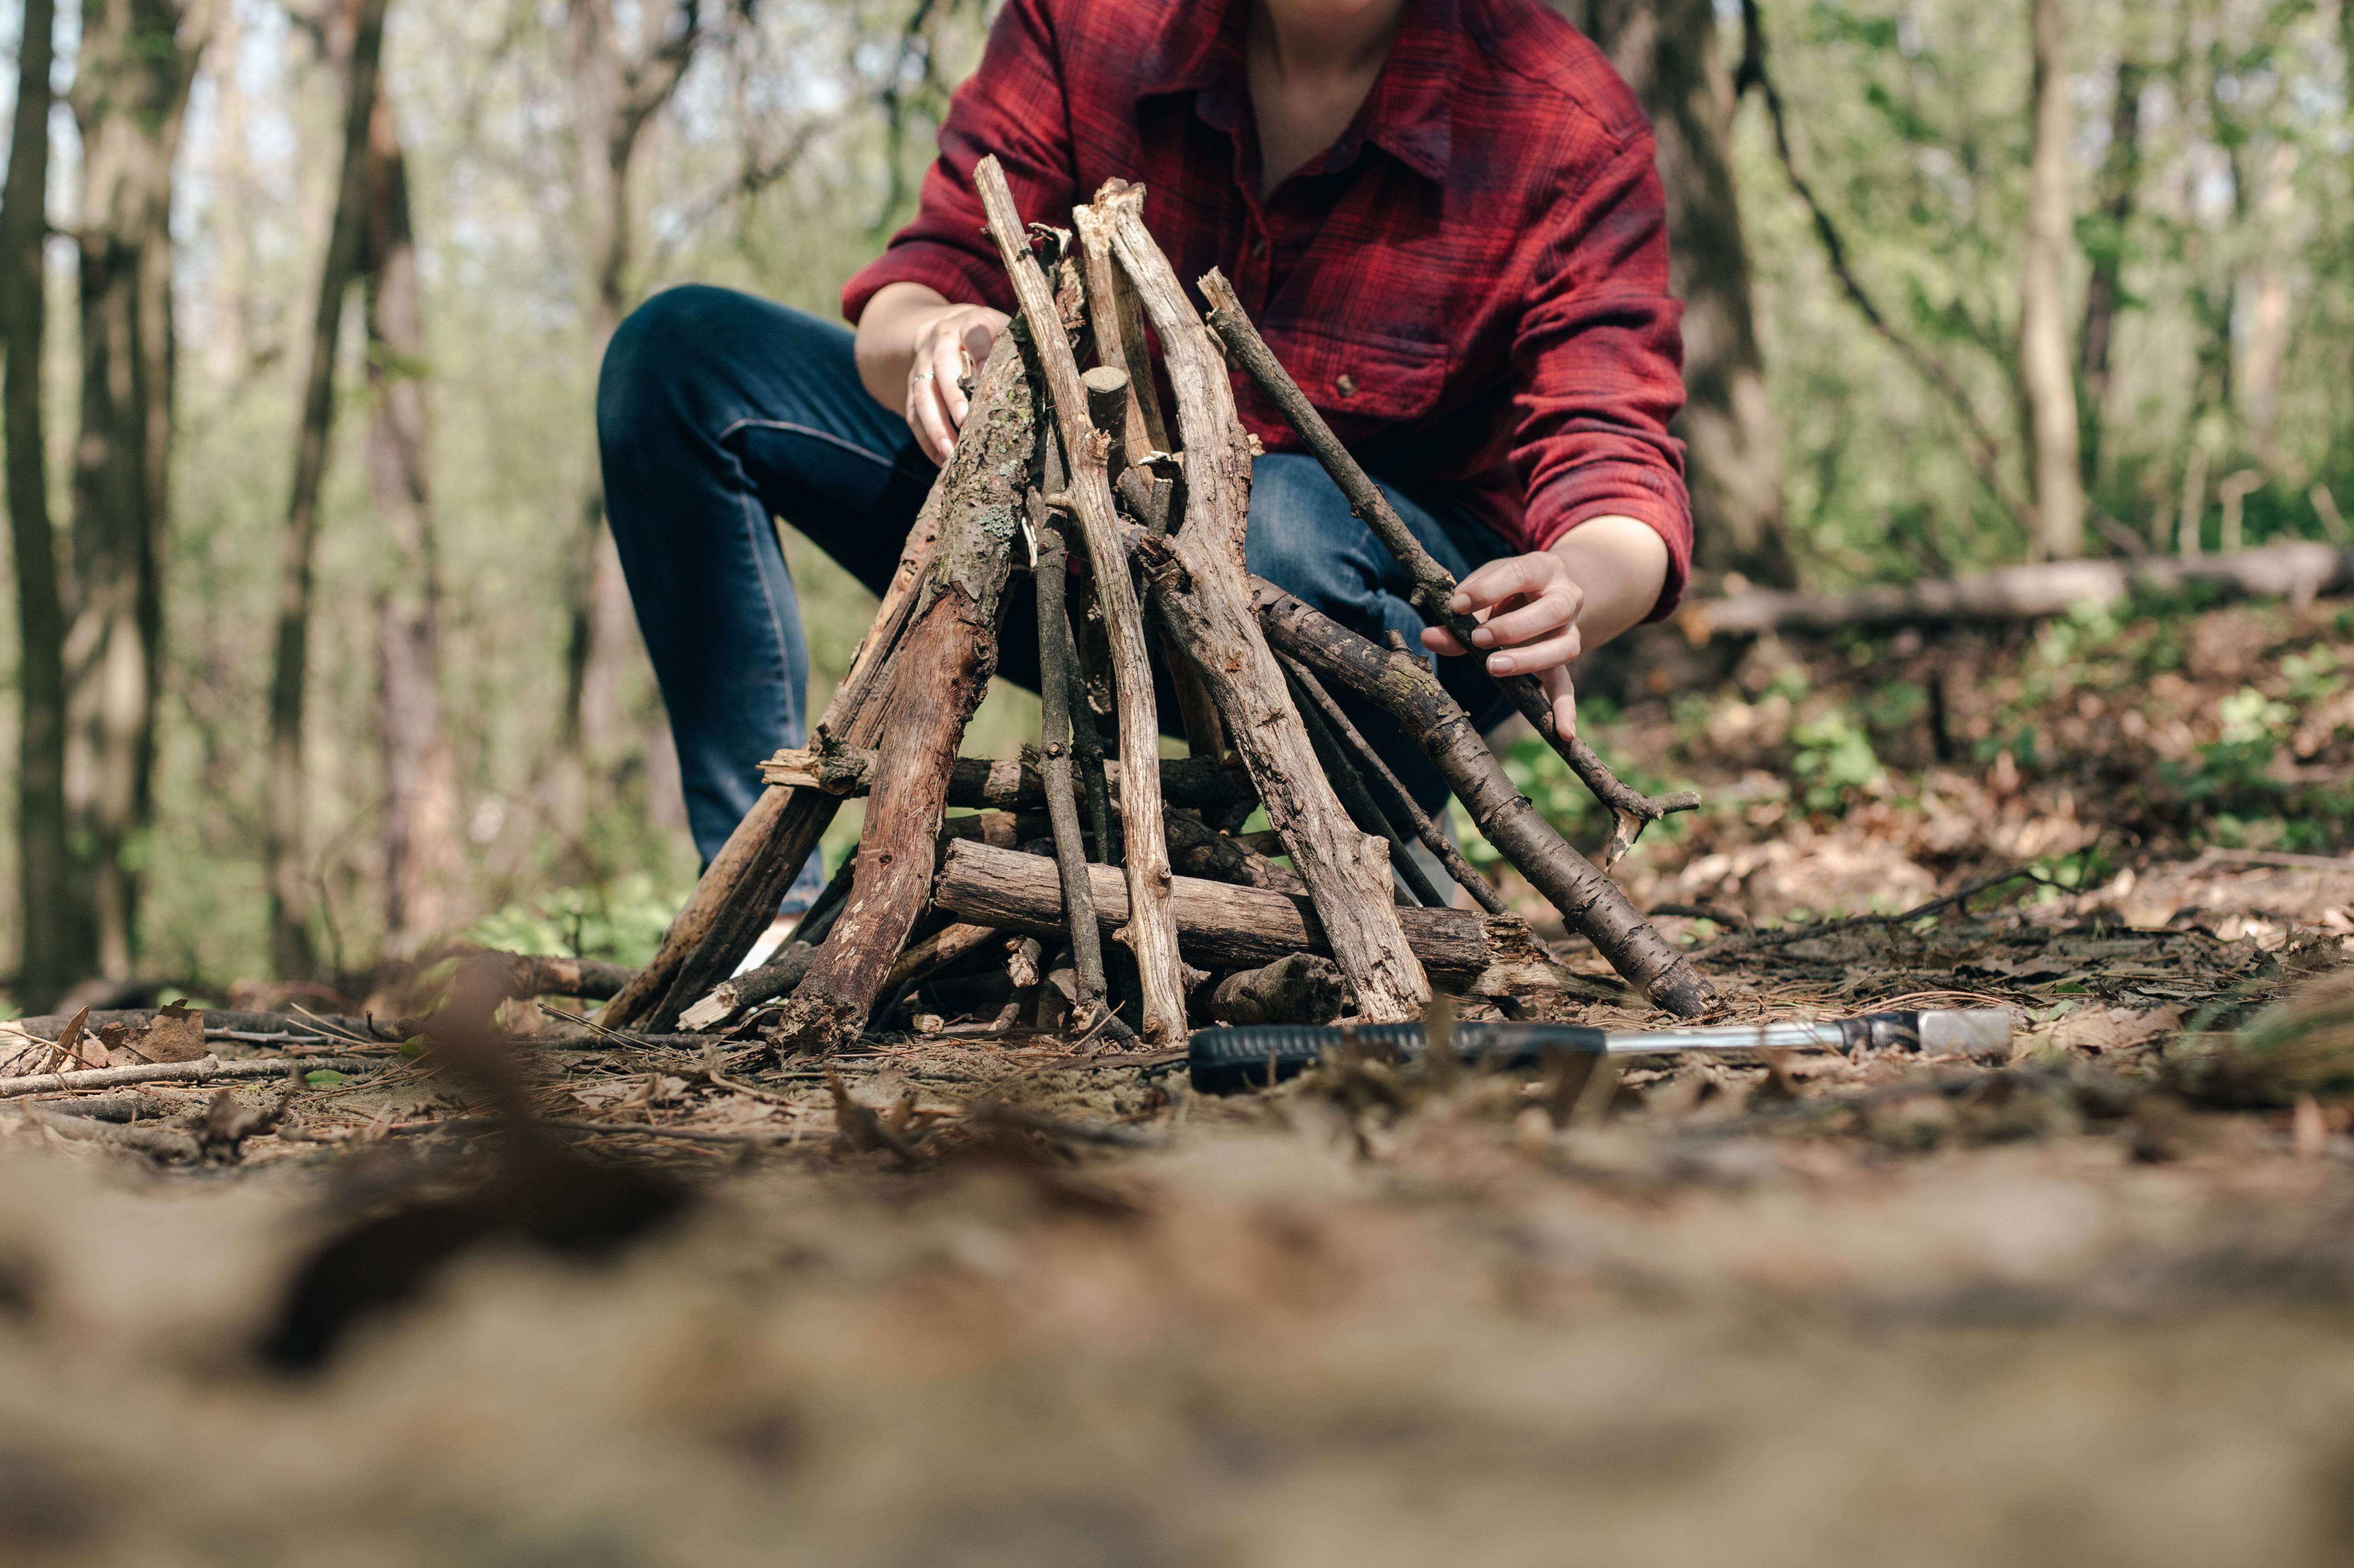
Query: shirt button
(1258, 247)
(1346, 385)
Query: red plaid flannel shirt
(1471, 284)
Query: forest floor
(1021, 1303)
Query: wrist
(1621, 563)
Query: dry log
(196, 1072)
(783, 972)
(1224, 927)
(1403, 687)
(737, 897)
(1206, 606)
(1302, 988)
(1434, 584)
(2295, 571)
(1188, 783)
(941, 671)
(1154, 937)
(532, 974)
(936, 952)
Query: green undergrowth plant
(623, 923)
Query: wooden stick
(1209, 614)
(1058, 685)
(195, 1072)
(737, 897)
(1350, 781)
(1433, 840)
(1011, 784)
(940, 675)
(1153, 936)
(1434, 584)
(1404, 687)
(1196, 848)
(1119, 320)
(1226, 927)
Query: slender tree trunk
(290, 934)
(615, 91)
(1667, 51)
(58, 945)
(2044, 370)
(2105, 291)
(420, 771)
(130, 95)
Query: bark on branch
(1226, 927)
(1204, 603)
(1434, 584)
(1400, 684)
(1154, 937)
(1004, 784)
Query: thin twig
(1348, 783)
(1058, 693)
(1744, 941)
(1434, 585)
(1427, 831)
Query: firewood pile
(1103, 875)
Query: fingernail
(1460, 601)
(1483, 637)
(1502, 664)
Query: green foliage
(1834, 761)
(623, 922)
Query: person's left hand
(1527, 606)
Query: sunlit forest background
(562, 161)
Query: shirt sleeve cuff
(956, 276)
(1603, 490)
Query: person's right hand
(949, 341)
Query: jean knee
(662, 353)
(1303, 538)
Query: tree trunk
(290, 936)
(1667, 50)
(2043, 354)
(130, 95)
(420, 772)
(2105, 291)
(615, 91)
(57, 943)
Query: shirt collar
(1409, 113)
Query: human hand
(947, 341)
(1528, 609)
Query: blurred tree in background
(1942, 260)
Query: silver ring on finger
(923, 376)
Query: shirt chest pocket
(1357, 378)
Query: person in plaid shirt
(1443, 216)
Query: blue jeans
(716, 411)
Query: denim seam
(756, 522)
(826, 436)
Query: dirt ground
(1019, 1303)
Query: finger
(1563, 691)
(1439, 640)
(1533, 658)
(947, 363)
(1502, 579)
(930, 422)
(1547, 612)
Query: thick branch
(1059, 688)
(1224, 927)
(1154, 939)
(1005, 784)
(1400, 684)
(1204, 605)
(1434, 584)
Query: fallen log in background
(1221, 927)
(1204, 604)
(2295, 571)
(1403, 687)
(939, 674)
(1153, 939)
